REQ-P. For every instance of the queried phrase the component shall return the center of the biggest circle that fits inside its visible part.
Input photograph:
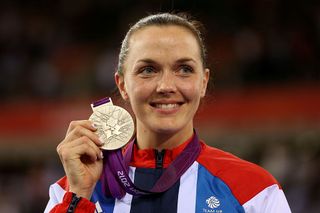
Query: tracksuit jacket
(217, 182)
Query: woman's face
(163, 78)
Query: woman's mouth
(166, 106)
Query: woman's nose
(166, 82)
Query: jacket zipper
(159, 158)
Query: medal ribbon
(116, 181)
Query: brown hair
(183, 20)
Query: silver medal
(114, 124)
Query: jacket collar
(145, 158)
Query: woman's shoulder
(220, 162)
(245, 179)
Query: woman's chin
(167, 129)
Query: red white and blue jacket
(217, 182)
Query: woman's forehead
(160, 31)
(176, 40)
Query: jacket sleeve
(84, 205)
(60, 200)
(271, 199)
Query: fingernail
(101, 142)
(101, 155)
(94, 125)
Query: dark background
(56, 57)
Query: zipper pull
(159, 158)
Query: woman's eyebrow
(183, 60)
(146, 60)
(151, 61)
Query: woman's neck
(147, 139)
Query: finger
(85, 149)
(92, 145)
(80, 131)
(78, 148)
(84, 123)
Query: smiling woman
(164, 80)
(162, 74)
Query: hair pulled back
(163, 19)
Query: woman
(163, 75)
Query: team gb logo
(213, 202)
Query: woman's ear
(205, 80)
(119, 79)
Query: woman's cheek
(189, 91)
(139, 94)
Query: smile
(166, 106)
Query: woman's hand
(81, 157)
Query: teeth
(166, 106)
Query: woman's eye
(185, 69)
(147, 70)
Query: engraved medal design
(114, 124)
